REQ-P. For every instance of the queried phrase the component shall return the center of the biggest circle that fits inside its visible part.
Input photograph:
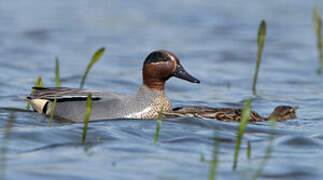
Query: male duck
(150, 99)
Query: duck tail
(24, 97)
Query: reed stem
(159, 122)
(37, 84)
(249, 150)
(52, 112)
(214, 161)
(97, 55)
(318, 32)
(261, 40)
(269, 148)
(242, 127)
(57, 77)
(87, 116)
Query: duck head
(161, 65)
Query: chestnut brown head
(161, 65)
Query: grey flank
(71, 103)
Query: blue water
(215, 41)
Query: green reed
(242, 127)
(261, 40)
(97, 55)
(202, 158)
(249, 150)
(58, 84)
(57, 77)
(37, 84)
(159, 122)
(269, 148)
(98, 139)
(214, 161)
(87, 116)
(295, 107)
(4, 145)
(52, 112)
(318, 32)
(228, 84)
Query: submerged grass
(269, 149)
(202, 158)
(37, 84)
(242, 127)
(52, 112)
(57, 78)
(261, 40)
(97, 55)
(58, 84)
(159, 122)
(4, 145)
(87, 116)
(249, 150)
(214, 162)
(318, 32)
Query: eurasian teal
(150, 99)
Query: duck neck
(145, 91)
(154, 98)
(155, 84)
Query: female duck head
(161, 65)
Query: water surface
(215, 41)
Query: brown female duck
(280, 113)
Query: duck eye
(156, 57)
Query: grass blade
(4, 145)
(214, 162)
(57, 78)
(249, 150)
(261, 40)
(269, 149)
(37, 84)
(159, 122)
(242, 127)
(202, 158)
(97, 55)
(87, 116)
(52, 112)
(318, 32)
